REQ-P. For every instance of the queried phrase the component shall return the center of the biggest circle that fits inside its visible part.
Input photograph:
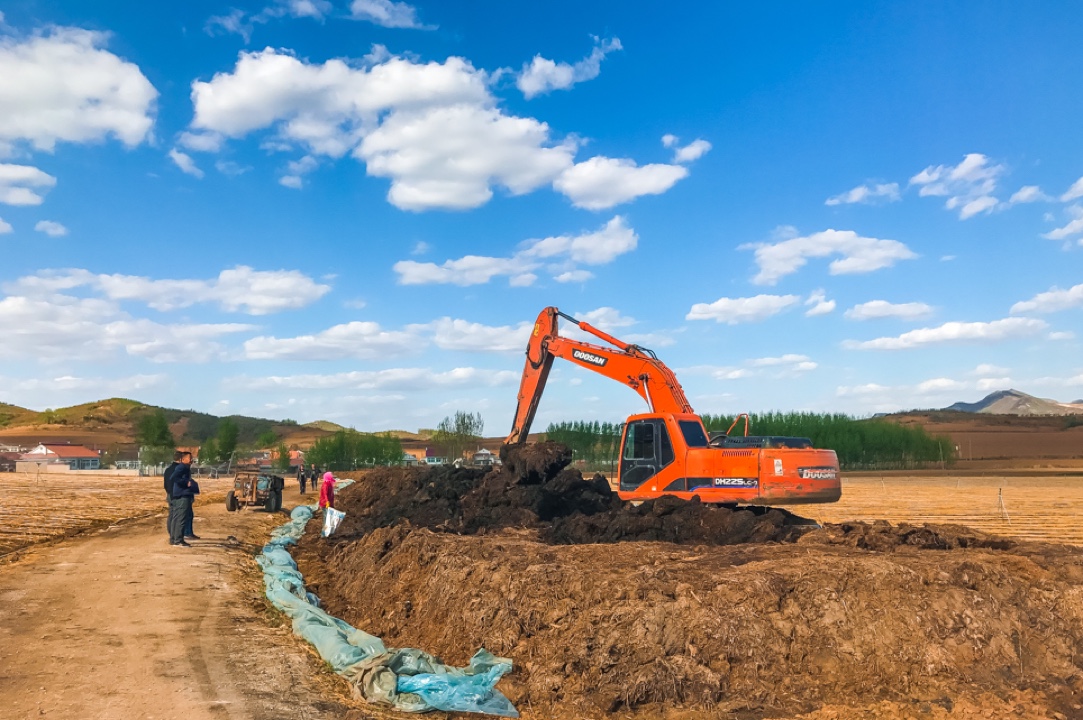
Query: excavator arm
(628, 364)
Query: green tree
(266, 439)
(456, 434)
(208, 452)
(228, 432)
(153, 431)
(282, 462)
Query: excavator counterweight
(667, 451)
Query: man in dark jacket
(167, 476)
(184, 491)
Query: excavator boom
(629, 364)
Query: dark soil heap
(854, 621)
(535, 488)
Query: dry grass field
(33, 510)
(1033, 507)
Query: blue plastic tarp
(406, 679)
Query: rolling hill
(114, 422)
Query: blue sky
(354, 209)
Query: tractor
(252, 488)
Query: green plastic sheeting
(406, 679)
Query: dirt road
(118, 625)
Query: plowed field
(36, 509)
(1048, 508)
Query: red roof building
(76, 457)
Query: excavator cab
(645, 451)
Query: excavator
(667, 451)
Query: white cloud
(968, 185)
(238, 22)
(5, 227)
(51, 228)
(22, 184)
(185, 162)
(412, 379)
(433, 129)
(1062, 335)
(449, 157)
(542, 75)
(859, 254)
(230, 168)
(692, 151)
(953, 332)
(985, 369)
(63, 86)
(58, 327)
(356, 340)
(574, 276)
(1028, 194)
(600, 247)
(101, 387)
(602, 182)
(465, 271)
(420, 248)
(387, 13)
(240, 289)
(741, 310)
(201, 142)
(296, 170)
(449, 334)
(605, 318)
(596, 248)
(818, 304)
(876, 309)
(788, 365)
(1053, 300)
(1073, 193)
(888, 192)
(1074, 227)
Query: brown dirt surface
(115, 624)
(857, 620)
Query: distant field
(1034, 507)
(58, 505)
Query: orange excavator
(667, 451)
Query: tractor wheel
(278, 500)
(231, 501)
(273, 502)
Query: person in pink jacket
(327, 491)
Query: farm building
(76, 457)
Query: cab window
(639, 442)
(693, 433)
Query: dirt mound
(739, 613)
(752, 631)
(535, 489)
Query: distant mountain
(1014, 402)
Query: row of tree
(859, 443)
(350, 449)
(345, 450)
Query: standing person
(301, 477)
(167, 476)
(327, 492)
(184, 491)
(313, 477)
